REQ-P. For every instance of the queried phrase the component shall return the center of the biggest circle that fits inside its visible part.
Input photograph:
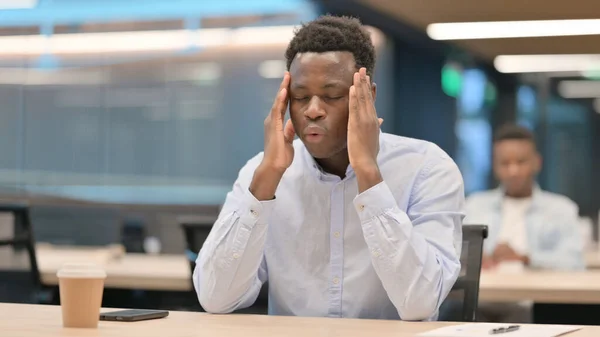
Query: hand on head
(278, 150)
(363, 123)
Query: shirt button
(376, 253)
(254, 213)
(336, 234)
(361, 207)
(336, 280)
(236, 256)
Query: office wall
(421, 109)
(568, 153)
(166, 129)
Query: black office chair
(22, 286)
(461, 303)
(195, 234)
(77, 224)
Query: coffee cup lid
(81, 270)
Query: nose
(513, 170)
(314, 110)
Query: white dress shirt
(390, 252)
(513, 231)
(553, 240)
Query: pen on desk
(504, 329)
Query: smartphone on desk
(133, 315)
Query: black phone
(133, 315)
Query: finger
(289, 132)
(366, 81)
(353, 103)
(366, 97)
(280, 103)
(370, 87)
(285, 82)
(361, 99)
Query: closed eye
(300, 98)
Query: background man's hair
(513, 132)
(334, 33)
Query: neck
(525, 193)
(337, 164)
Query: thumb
(380, 121)
(288, 131)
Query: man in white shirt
(346, 221)
(528, 227)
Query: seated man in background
(528, 227)
(346, 221)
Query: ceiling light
(546, 63)
(579, 89)
(272, 69)
(86, 43)
(142, 41)
(262, 35)
(512, 29)
(28, 76)
(150, 41)
(17, 4)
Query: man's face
(319, 87)
(516, 163)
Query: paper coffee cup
(81, 286)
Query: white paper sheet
(483, 330)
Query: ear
(374, 91)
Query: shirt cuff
(374, 201)
(253, 211)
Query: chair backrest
(77, 225)
(17, 286)
(195, 234)
(464, 296)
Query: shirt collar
(312, 166)
(535, 195)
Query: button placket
(336, 246)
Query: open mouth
(313, 137)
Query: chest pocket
(550, 240)
(547, 232)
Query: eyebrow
(334, 84)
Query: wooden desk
(541, 287)
(592, 259)
(37, 321)
(125, 271)
(172, 273)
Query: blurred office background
(146, 112)
(116, 103)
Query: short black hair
(513, 132)
(334, 33)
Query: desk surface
(541, 286)
(172, 272)
(127, 271)
(36, 320)
(592, 259)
